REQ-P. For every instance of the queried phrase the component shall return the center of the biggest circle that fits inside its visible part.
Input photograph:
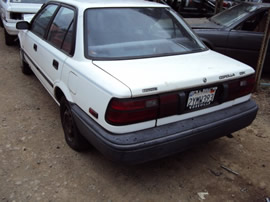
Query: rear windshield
(116, 33)
(29, 1)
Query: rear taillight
(169, 105)
(240, 87)
(128, 111)
(135, 110)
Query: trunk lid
(164, 74)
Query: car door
(50, 42)
(214, 39)
(245, 39)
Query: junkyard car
(237, 32)
(13, 11)
(196, 8)
(132, 79)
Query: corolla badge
(226, 76)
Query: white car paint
(27, 9)
(173, 72)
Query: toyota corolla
(132, 79)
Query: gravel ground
(37, 165)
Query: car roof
(110, 3)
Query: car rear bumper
(158, 142)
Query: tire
(72, 135)
(9, 39)
(24, 66)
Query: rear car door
(246, 39)
(51, 41)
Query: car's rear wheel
(24, 66)
(9, 39)
(72, 135)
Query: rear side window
(61, 31)
(41, 22)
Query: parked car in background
(196, 8)
(132, 79)
(237, 32)
(13, 11)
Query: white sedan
(132, 79)
(13, 11)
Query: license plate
(201, 98)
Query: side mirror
(22, 25)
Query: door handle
(55, 64)
(35, 47)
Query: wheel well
(58, 94)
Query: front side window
(116, 33)
(41, 22)
(61, 30)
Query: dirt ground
(37, 165)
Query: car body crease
(113, 77)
